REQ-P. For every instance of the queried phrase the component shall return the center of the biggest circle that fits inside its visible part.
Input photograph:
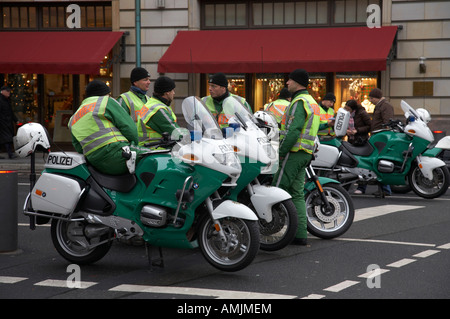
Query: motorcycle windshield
(236, 112)
(408, 110)
(199, 119)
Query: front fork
(312, 176)
(217, 225)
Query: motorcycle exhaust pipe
(95, 231)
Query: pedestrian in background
(382, 114)
(359, 134)
(299, 128)
(7, 121)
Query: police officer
(278, 106)
(100, 128)
(218, 90)
(326, 113)
(133, 100)
(156, 116)
(299, 128)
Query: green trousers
(291, 177)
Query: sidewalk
(22, 165)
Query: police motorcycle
(395, 156)
(274, 207)
(329, 207)
(168, 201)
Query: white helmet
(267, 118)
(424, 115)
(29, 137)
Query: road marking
(11, 280)
(445, 246)
(341, 286)
(385, 242)
(401, 262)
(221, 294)
(314, 296)
(373, 273)
(63, 283)
(371, 212)
(28, 225)
(426, 253)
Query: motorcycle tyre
(207, 233)
(336, 188)
(437, 194)
(87, 258)
(289, 234)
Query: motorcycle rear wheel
(426, 188)
(239, 248)
(281, 230)
(331, 224)
(71, 243)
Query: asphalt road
(398, 247)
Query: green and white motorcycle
(168, 201)
(396, 155)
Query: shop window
(267, 88)
(317, 87)
(355, 87)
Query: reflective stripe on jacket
(307, 137)
(145, 132)
(90, 126)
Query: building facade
(414, 64)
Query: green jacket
(291, 137)
(108, 159)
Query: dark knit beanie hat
(164, 84)
(329, 97)
(138, 73)
(97, 88)
(376, 93)
(300, 76)
(219, 79)
(284, 94)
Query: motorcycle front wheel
(236, 250)
(335, 222)
(425, 188)
(71, 242)
(281, 230)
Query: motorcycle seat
(121, 183)
(364, 150)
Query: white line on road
(373, 273)
(212, 293)
(385, 242)
(314, 296)
(11, 280)
(64, 284)
(371, 212)
(401, 262)
(426, 253)
(341, 286)
(445, 246)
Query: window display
(355, 87)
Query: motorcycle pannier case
(55, 194)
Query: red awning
(55, 52)
(279, 50)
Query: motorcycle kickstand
(157, 262)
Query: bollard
(8, 211)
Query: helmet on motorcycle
(30, 137)
(266, 118)
(424, 115)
